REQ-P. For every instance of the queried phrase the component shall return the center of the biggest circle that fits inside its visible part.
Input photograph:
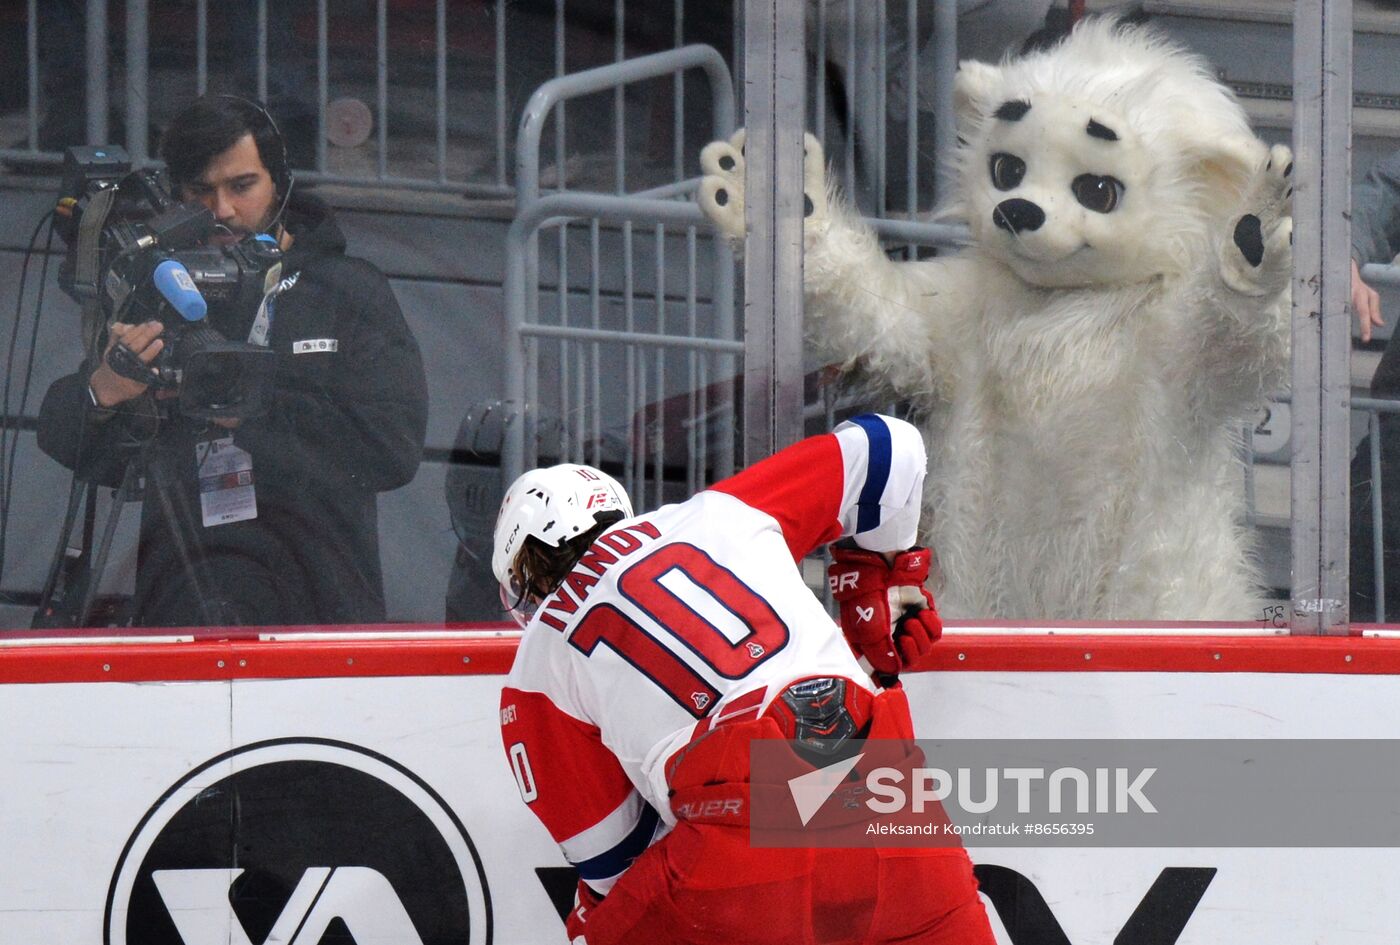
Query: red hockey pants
(703, 884)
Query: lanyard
(262, 324)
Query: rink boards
(260, 790)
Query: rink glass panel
(407, 118)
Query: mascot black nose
(1016, 215)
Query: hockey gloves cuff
(576, 923)
(888, 617)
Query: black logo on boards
(1159, 919)
(304, 842)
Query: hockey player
(657, 646)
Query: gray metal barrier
(580, 401)
(584, 395)
(1372, 408)
(850, 34)
(1376, 274)
(854, 36)
(460, 150)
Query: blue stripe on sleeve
(614, 861)
(877, 472)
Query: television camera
(135, 254)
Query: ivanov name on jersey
(596, 561)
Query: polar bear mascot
(1083, 369)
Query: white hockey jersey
(687, 615)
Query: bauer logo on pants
(294, 840)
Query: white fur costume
(1083, 369)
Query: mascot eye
(1007, 170)
(1099, 194)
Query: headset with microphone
(279, 166)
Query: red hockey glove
(585, 901)
(886, 614)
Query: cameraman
(346, 416)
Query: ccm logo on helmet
(510, 542)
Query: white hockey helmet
(553, 505)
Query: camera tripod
(75, 574)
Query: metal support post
(31, 43)
(260, 51)
(865, 85)
(137, 79)
(1322, 45)
(96, 43)
(201, 47)
(945, 61)
(774, 109)
(323, 79)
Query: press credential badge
(226, 483)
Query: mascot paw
(722, 187)
(1257, 257)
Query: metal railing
(584, 395)
(1377, 274)
(469, 151)
(854, 37)
(1372, 408)
(580, 400)
(464, 148)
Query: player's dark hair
(541, 569)
(212, 124)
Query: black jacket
(343, 425)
